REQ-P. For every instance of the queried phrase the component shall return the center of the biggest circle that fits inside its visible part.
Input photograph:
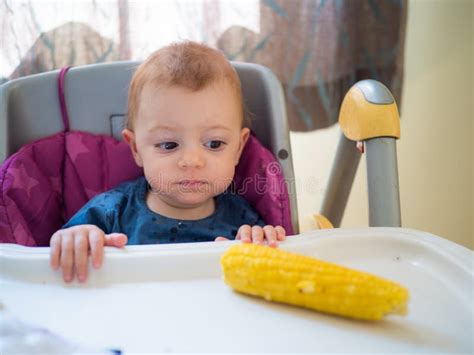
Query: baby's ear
(129, 137)
(244, 137)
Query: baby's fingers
(81, 254)
(115, 240)
(270, 236)
(96, 241)
(221, 239)
(281, 233)
(55, 250)
(257, 235)
(67, 256)
(245, 234)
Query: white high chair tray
(171, 298)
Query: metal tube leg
(382, 179)
(340, 181)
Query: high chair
(57, 105)
(171, 297)
(95, 98)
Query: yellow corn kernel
(281, 276)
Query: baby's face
(189, 142)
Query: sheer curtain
(317, 48)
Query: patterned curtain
(317, 48)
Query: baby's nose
(191, 158)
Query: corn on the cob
(281, 276)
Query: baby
(186, 127)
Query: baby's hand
(258, 235)
(70, 249)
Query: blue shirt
(124, 210)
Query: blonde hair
(187, 64)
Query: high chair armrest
(369, 111)
(369, 116)
(370, 122)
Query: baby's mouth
(192, 184)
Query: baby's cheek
(221, 177)
(158, 181)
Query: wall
(435, 153)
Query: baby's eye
(214, 144)
(167, 145)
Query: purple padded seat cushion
(47, 181)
